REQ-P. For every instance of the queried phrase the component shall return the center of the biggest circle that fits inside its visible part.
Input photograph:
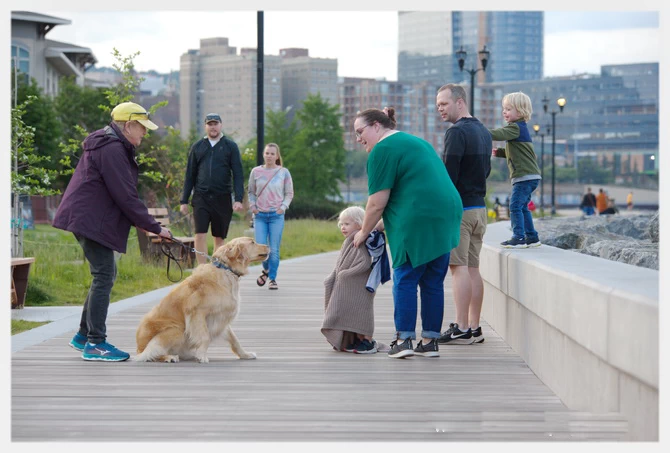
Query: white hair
(355, 213)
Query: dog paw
(248, 356)
(171, 359)
(203, 359)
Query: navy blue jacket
(101, 202)
(467, 156)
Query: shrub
(308, 208)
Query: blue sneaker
(104, 351)
(78, 342)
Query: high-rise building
(414, 104)
(428, 42)
(215, 78)
(302, 75)
(611, 117)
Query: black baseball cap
(212, 117)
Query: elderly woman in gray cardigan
(349, 319)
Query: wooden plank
(298, 389)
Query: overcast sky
(364, 42)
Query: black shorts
(216, 209)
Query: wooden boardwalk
(298, 389)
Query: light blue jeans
(268, 227)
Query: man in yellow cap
(99, 206)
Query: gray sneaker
(401, 350)
(427, 350)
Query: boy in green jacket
(523, 169)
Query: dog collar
(220, 265)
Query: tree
(80, 106)
(591, 173)
(318, 157)
(40, 113)
(123, 92)
(30, 174)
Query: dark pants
(429, 278)
(103, 270)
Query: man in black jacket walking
(214, 168)
(467, 157)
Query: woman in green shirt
(413, 198)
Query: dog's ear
(237, 253)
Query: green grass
(60, 276)
(19, 326)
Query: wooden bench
(502, 213)
(20, 271)
(150, 243)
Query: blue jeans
(103, 270)
(430, 278)
(522, 219)
(268, 227)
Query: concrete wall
(588, 327)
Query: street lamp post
(536, 128)
(484, 55)
(561, 103)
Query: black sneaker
(533, 242)
(366, 347)
(352, 347)
(514, 243)
(400, 350)
(457, 336)
(427, 350)
(478, 335)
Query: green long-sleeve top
(518, 151)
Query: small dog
(200, 308)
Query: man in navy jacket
(99, 206)
(467, 158)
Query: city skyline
(575, 42)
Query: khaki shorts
(473, 227)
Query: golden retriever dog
(200, 308)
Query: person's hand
(254, 210)
(183, 209)
(359, 238)
(237, 206)
(280, 211)
(165, 233)
(493, 152)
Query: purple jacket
(101, 201)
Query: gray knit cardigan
(348, 305)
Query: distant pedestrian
(99, 206)
(523, 169)
(629, 201)
(270, 194)
(611, 208)
(588, 204)
(601, 201)
(214, 168)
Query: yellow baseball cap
(129, 111)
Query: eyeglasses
(359, 132)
